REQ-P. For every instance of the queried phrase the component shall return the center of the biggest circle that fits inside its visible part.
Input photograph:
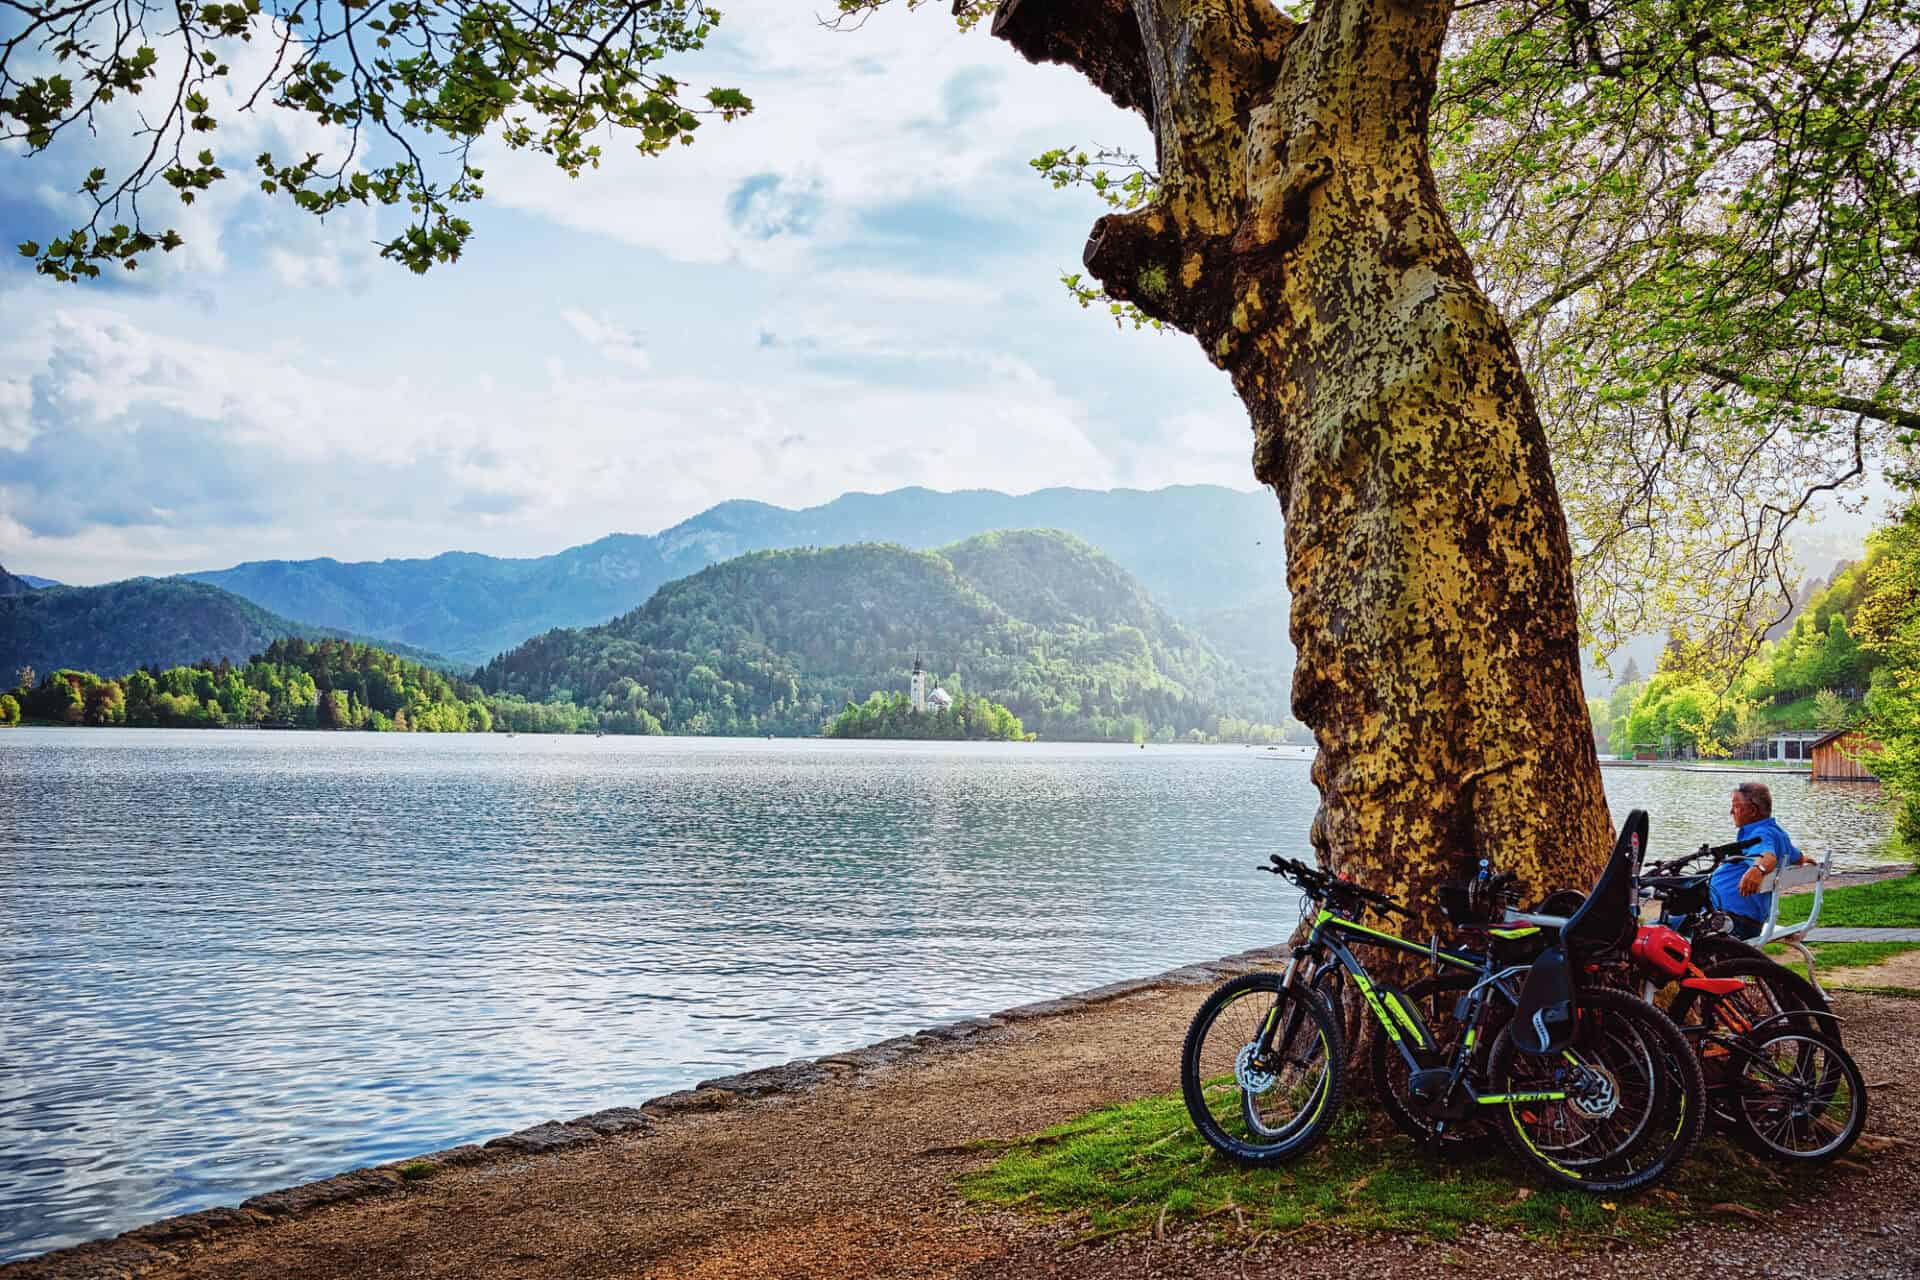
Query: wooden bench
(1798, 878)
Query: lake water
(234, 961)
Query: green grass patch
(1841, 955)
(1884, 904)
(414, 1170)
(1142, 1167)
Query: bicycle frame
(1330, 935)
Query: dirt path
(854, 1177)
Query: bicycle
(1609, 1102)
(1778, 1079)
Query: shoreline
(139, 1250)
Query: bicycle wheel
(1633, 1098)
(1796, 1095)
(1255, 1107)
(1435, 997)
(1770, 990)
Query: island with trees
(893, 715)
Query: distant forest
(296, 684)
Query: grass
(414, 1170)
(1884, 904)
(1142, 1167)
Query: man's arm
(1762, 867)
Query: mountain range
(1198, 549)
(776, 641)
(163, 622)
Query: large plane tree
(1700, 217)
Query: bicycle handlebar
(1319, 883)
(1719, 853)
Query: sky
(854, 288)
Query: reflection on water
(229, 961)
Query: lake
(234, 961)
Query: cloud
(904, 113)
(16, 417)
(148, 452)
(609, 338)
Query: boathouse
(1842, 756)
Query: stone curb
(143, 1249)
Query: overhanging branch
(1905, 419)
(1098, 38)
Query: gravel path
(854, 1177)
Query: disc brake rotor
(1595, 1094)
(1250, 1078)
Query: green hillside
(161, 622)
(778, 641)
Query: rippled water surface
(234, 961)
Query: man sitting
(1736, 882)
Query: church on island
(939, 699)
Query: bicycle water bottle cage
(1543, 1022)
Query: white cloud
(610, 338)
(852, 289)
(905, 109)
(16, 404)
(154, 453)
(299, 270)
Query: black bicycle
(1599, 1092)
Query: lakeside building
(1843, 756)
(1787, 744)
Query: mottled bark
(1299, 237)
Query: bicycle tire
(1784, 990)
(1651, 1069)
(1767, 1118)
(1254, 1111)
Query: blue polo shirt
(1726, 878)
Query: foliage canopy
(403, 88)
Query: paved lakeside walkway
(1841, 933)
(845, 1168)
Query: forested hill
(776, 642)
(141, 622)
(13, 586)
(1195, 547)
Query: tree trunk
(1299, 236)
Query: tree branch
(1905, 419)
(1098, 38)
